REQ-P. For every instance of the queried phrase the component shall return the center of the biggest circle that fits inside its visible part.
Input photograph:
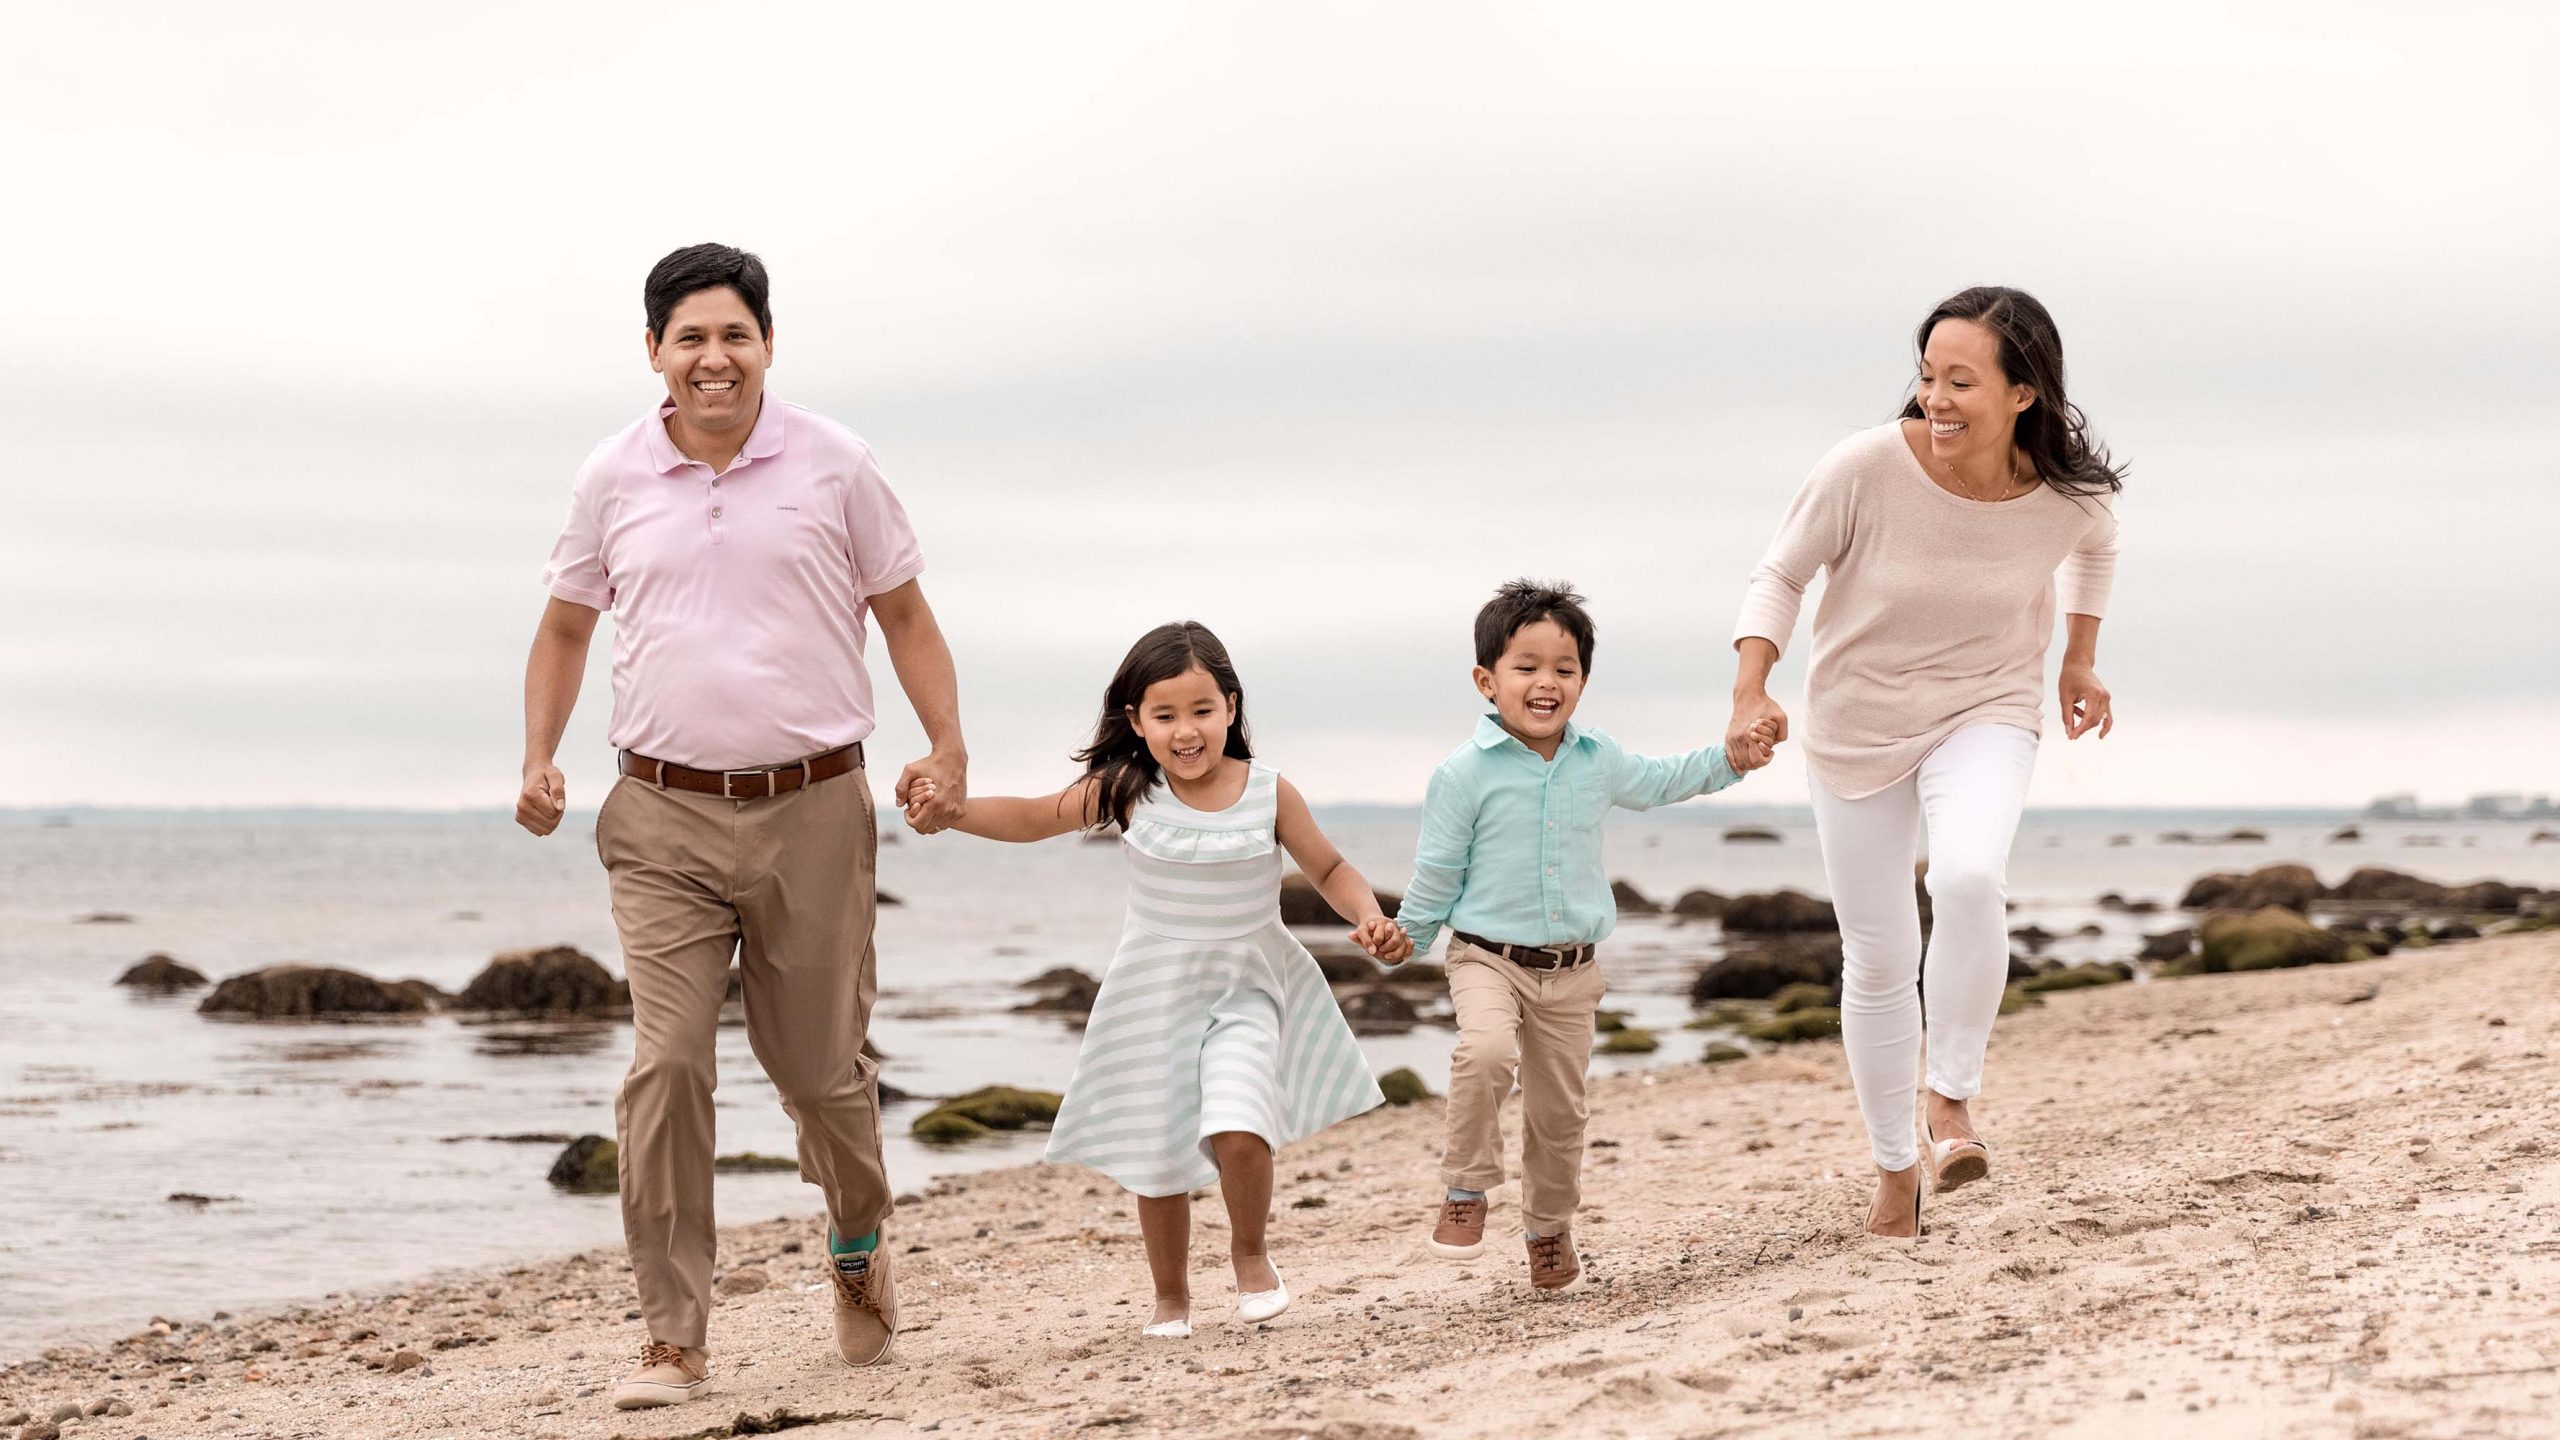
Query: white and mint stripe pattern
(1212, 1016)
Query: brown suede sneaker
(668, 1375)
(1460, 1233)
(1553, 1267)
(866, 1304)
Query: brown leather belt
(1535, 957)
(762, 782)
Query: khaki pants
(1536, 1024)
(786, 884)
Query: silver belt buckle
(728, 789)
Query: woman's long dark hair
(1118, 756)
(2052, 431)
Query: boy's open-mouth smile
(1544, 709)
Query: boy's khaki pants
(786, 885)
(1537, 1025)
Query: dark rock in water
(1402, 1087)
(2115, 902)
(1752, 835)
(1803, 996)
(592, 1165)
(104, 917)
(1698, 905)
(2489, 896)
(2034, 937)
(2376, 943)
(2240, 837)
(2273, 938)
(159, 972)
(1301, 903)
(2372, 884)
(1812, 1024)
(541, 1137)
(2177, 837)
(2545, 837)
(1760, 971)
(1379, 1011)
(2077, 977)
(1632, 901)
(1722, 1052)
(301, 992)
(982, 1112)
(748, 1162)
(2169, 944)
(1604, 1022)
(2455, 930)
(2119, 841)
(1419, 975)
(1784, 912)
(2345, 835)
(2292, 886)
(1065, 991)
(1343, 963)
(2019, 969)
(1630, 1041)
(557, 980)
(426, 995)
(189, 1197)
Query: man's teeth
(715, 384)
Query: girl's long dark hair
(2052, 431)
(1118, 756)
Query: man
(742, 542)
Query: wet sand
(2307, 1202)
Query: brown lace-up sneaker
(1460, 1233)
(866, 1304)
(1553, 1267)
(668, 1375)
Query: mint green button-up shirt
(1510, 846)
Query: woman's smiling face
(1971, 407)
(1184, 721)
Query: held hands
(1385, 941)
(2086, 705)
(933, 791)
(543, 800)
(1759, 743)
(1753, 736)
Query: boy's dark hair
(697, 268)
(1118, 756)
(1526, 602)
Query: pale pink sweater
(1938, 611)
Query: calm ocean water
(347, 1155)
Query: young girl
(1214, 1040)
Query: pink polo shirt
(739, 598)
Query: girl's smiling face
(1184, 721)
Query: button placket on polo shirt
(1550, 889)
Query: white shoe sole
(1455, 1252)
(1262, 1305)
(1168, 1330)
(649, 1395)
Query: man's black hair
(1526, 602)
(707, 267)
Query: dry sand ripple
(2283, 1204)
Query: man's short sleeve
(885, 552)
(577, 571)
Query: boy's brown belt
(756, 784)
(1535, 957)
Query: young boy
(1509, 860)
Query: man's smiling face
(714, 356)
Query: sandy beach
(2322, 1201)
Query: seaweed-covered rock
(2373, 942)
(2346, 835)
(1698, 905)
(996, 1107)
(1402, 1087)
(2273, 938)
(1783, 912)
(2077, 977)
(557, 980)
(1608, 1022)
(303, 992)
(1802, 996)
(2376, 885)
(2292, 886)
(2017, 998)
(1812, 1024)
(1630, 1041)
(1379, 1011)
(1751, 835)
(1724, 1052)
(163, 975)
(2170, 944)
(1632, 901)
(1760, 971)
(2485, 896)
(2455, 930)
(592, 1165)
(1301, 903)
(2034, 937)
(2116, 902)
(748, 1162)
(1063, 991)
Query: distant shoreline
(1718, 813)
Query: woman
(1945, 533)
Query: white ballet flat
(1254, 1307)
(1168, 1330)
(1955, 1163)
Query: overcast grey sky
(1311, 322)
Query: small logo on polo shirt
(786, 507)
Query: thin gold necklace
(2015, 479)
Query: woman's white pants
(1969, 793)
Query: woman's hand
(1385, 940)
(1757, 727)
(2086, 705)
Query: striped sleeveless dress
(1212, 1016)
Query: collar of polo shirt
(763, 442)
